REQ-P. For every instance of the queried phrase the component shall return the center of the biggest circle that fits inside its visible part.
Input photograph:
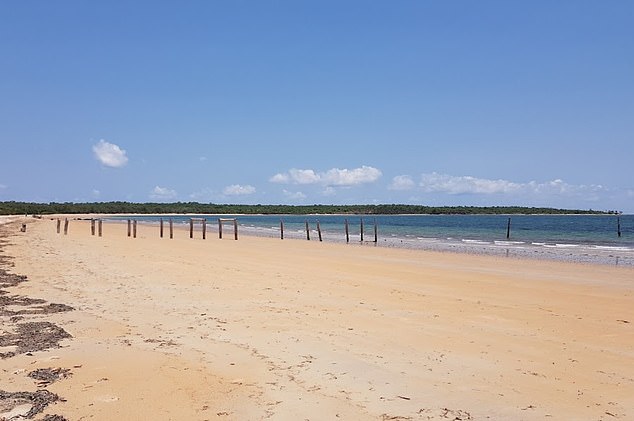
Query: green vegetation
(17, 208)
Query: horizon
(438, 104)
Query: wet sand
(286, 329)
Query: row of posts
(347, 229)
(97, 224)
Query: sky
(441, 103)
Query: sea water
(583, 238)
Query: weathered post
(92, 226)
(307, 231)
(281, 229)
(220, 228)
(191, 228)
(361, 229)
(347, 231)
(171, 229)
(59, 223)
(376, 232)
(100, 227)
(235, 228)
(65, 226)
(161, 229)
(204, 229)
(319, 230)
(129, 227)
(508, 229)
(134, 229)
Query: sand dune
(264, 328)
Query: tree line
(28, 208)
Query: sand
(262, 328)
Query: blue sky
(335, 102)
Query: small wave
(464, 240)
(561, 246)
(508, 243)
(613, 248)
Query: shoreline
(574, 253)
(259, 328)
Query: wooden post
(59, 223)
(235, 228)
(129, 227)
(361, 229)
(508, 229)
(65, 226)
(191, 228)
(204, 228)
(347, 231)
(220, 228)
(307, 231)
(319, 230)
(171, 229)
(618, 226)
(281, 229)
(161, 229)
(376, 232)
(92, 227)
(134, 229)
(100, 227)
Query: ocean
(581, 238)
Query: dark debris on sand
(54, 418)
(46, 376)
(28, 337)
(38, 400)
(33, 336)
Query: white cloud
(450, 184)
(163, 193)
(402, 182)
(332, 177)
(96, 193)
(345, 177)
(3, 186)
(238, 190)
(296, 176)
(455, 185)
(110, 154)
(294, 195)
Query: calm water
(591, 238)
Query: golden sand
(192, 329)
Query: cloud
(294, 195)
(333, 177)
(457, 185)
(402, 182)
(296, 176)
(3, 186)
(465, 184)
(345, 177)
(163, 193)
(238, 190)
(110, 154)
(96, 193)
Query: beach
(263, 328)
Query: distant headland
(17, 208)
